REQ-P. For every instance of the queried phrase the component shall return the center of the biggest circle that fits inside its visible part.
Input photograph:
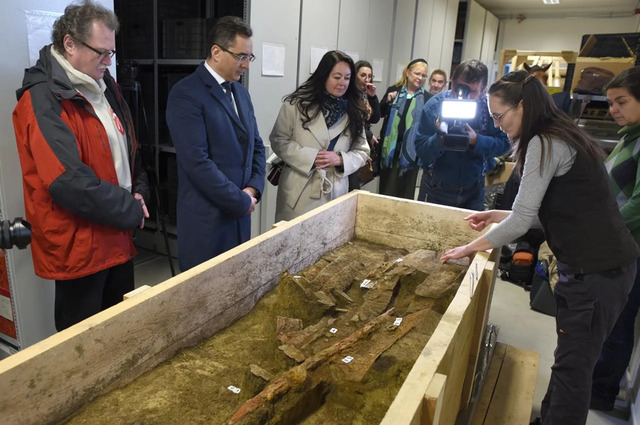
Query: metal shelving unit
(163, 41)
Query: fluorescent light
(551, 1)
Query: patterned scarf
(390, 140)
(333, 108)
(622, 164)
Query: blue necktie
(227, 91)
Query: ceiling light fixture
(551, 1)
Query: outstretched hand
(457, 252)
(479, 221)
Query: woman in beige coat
(319, 134)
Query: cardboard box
(502, 176)
(615, 65)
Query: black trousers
(392, 184)
(77, 299)
(616, 351)
(588, 306)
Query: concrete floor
(525, 328)
(518, 325)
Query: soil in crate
(331, 344)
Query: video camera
(16, 233)
(456, 113)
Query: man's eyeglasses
(102, 53)
(240, 56)
(498, 117)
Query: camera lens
(16, 233)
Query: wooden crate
(559, 61)
(51, 379)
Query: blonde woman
(401, 106)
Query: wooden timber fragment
(256, 409)
(341, 297)
(255, 379)
(293, 353)
(462, 262)
(260, 372)
(324, 299)
(296, 299)
(360, 365)
(285, 325)
(438, 284)
(304, 337)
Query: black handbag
(275, 171)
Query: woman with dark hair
(401, 107)
(564, 186)
(623, 95)
(319, 134)
(364, 78)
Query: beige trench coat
(302, 187)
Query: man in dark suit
(221, 157)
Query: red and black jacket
(81, 218)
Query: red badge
(116, 120)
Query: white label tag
(397, 321)
(347, 359)
(333, 330)
(367, 284)
(233, 389)
(399, 260)
(5, 308)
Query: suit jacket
(218, 153)
(301, 187)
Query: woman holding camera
(564, 187)
(319, 134)
(401, 107)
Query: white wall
(267, 91)
(403, 36)
(434, 32)
(558, 34)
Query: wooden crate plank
(489, 385)
(433, 399)
(395, 222)
(135, 292)
(513, 395)
(455, 362)
(482, 316)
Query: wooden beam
(513, 394)
(135, 292)
(488, 385)
(433, 399)
(482, 315)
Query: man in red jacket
(83, 185)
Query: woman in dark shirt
(364, 78)
(564, 187)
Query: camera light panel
(459, 109)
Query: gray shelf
(194, 62)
